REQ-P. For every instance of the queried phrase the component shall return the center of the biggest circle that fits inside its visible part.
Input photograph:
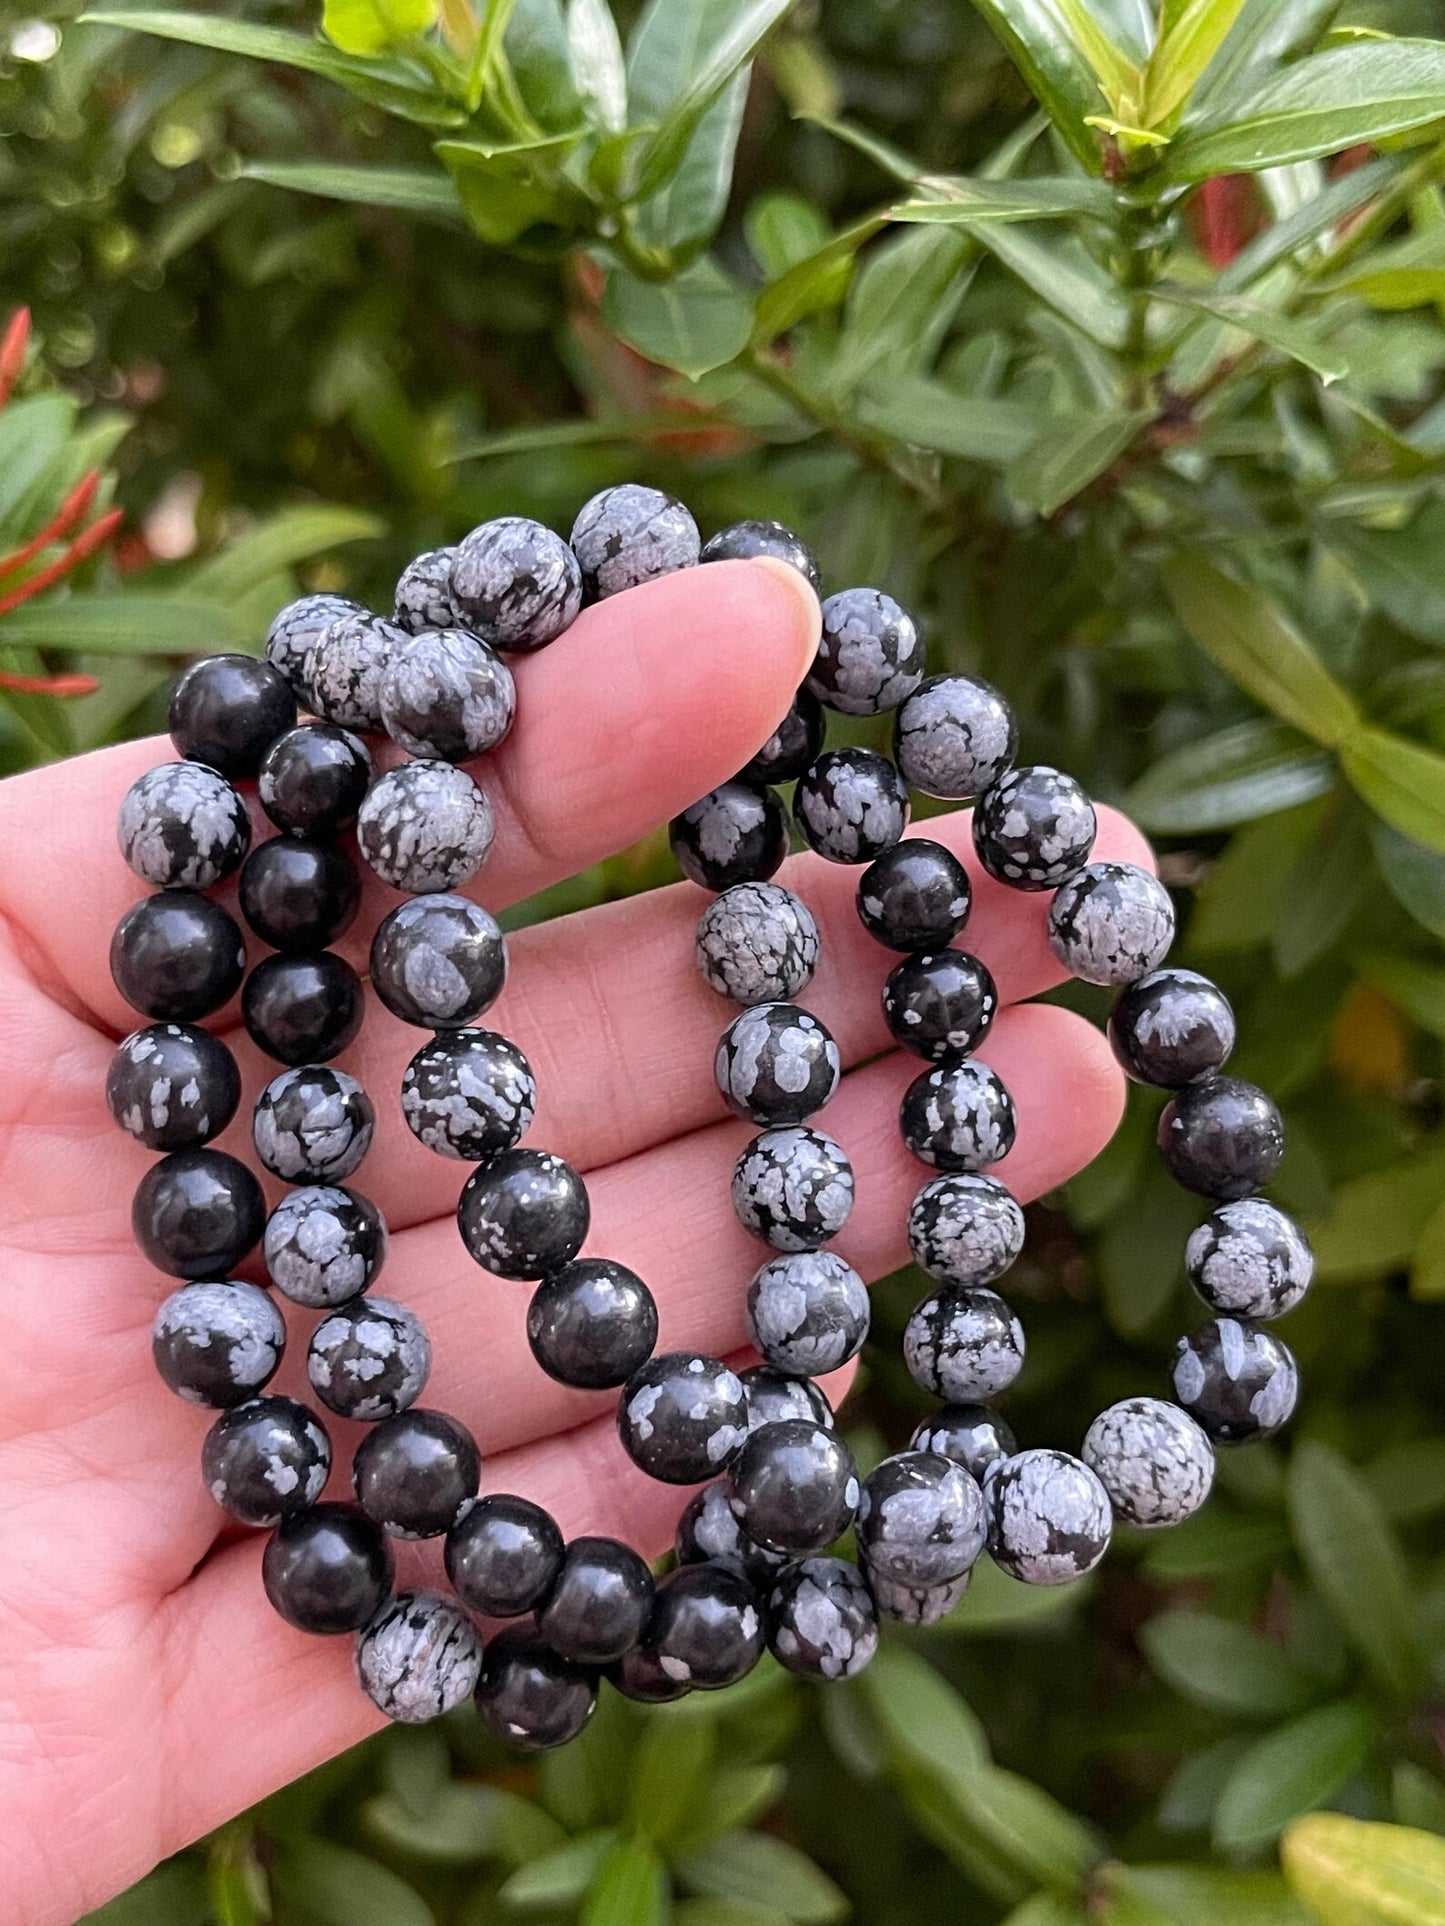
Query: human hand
(147, 1690)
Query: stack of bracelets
(754, 1568)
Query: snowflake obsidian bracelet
(776, 1485)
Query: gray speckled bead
(425, 827)
(345, 665)
(438, 961)
(419, 1656)
(296, 627)
(1034, 828)
(773, 1398)
(1112, 923)
(794, 1188)
(629, 534)
(965, 1229)
(777, 1064)
(313, 1124)
(218, 1344)
(1248, 1259)
(915, 1604)
(682, 1417)
(1239, 1381)
(808, 1313)
(1051, 1520)
(468, 1094)
(870, 656)
(324, 1245)
(369, 1359)
(448, 695)
(958, 1116)
(424, 593)
(823, 1624)
(1154, 1461)
(851, 805)
(920, 1520)
(757, 943)
(1171, 1027)
(172, 1086)
(265, 1459)
(971, 1434)
(708, 1533)
(745, 541)
(954, 737)
(965, 1346)
(516, 583)
(183, 825)
(736, 833)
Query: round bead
(797, 741)
(592, 1324)
(182, 824)
(915, 896)
(737, 833)
(177, 956)
(822, 1620)
(970, 1434)
(528, 1695)
(629, 534)
(808, 1313)
(1171, 1027)
(1222, 1137)
(327, 1569)
(1050, 1517)
(1034, 828)
(870, 656)
(503, 1555)
(794, 1487)
(638, 1676)
(425, 827)
(776, 1064)
(705, 1629)
(965, 1346)
(313, 1124)
(599, 1603)
(516, 583)
(940, 1003)
(850, 805)
(709, 1534)
(266, 1460)
(757, 943)
(1154, 1461)
(965, 1229)
(958, 1117)
(418, 1657)
(227, 710)
(197, 1212)
(468, 1094)
(773, 1398)
(438, 961)
(920, 1520)
(1248, 1259)
(369, 1359)
(424, 597)
(746, 541)
(524, 1213)
(299, 894)
(172, 1087)
(449, 695)
(416, 1474)
(1240, 1382)
(218, 1344)
(682, 1417)
(793, 1187)
(954, 737)
(303, 1009)
(1112, 923)
(291, 634)
(345, 664)
(314, 778)
(915, 1604)
(324, 1245)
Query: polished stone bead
(630, 534)
(797, 741)
(915, 896)
(197, 1212)
(954, 737)
(420, 1656)
(774, 1397)
(599, 1603)
(524, 1213)
(940, 1003)
(177, 956)
(438, 961)
(970, 1434)
(328, 1569)
(1034, 828)
(822, 1620)
(424, 598)
(965, 1346)
(299, 894)
(218, 1343)
(682, 1417)
(266, 1460)
(303, 1009)
(425, 827)
(529, 1695)
(344, 667)
(638, 1676)
(808, 1312)
(291, 634)
(794, 1487)
(468, 1094)
(914, 1604)
(1111, 923)
(958, 1116)
(172, 1087)
(314, 778)
(1222, 1137)
(776, 1064)
(1248, 1259)
(1050, 1517)
(850, 805)
(324, 1245)
(965, 1229)
(709, 1534)
(369, 1359)
(1154, 1461)
(182, 824)
(313, 1124)
(592, 1324)
(1171, 1027)
(757, 943)
(227, 710)
(793, 1187)
(416, 1473)
(503, 1555)
(870, 654)
(516, 583)
(737, 833)
(746, 541)
(448, 695)
(1238, 1381)
(920, 1520)
(705, 1628)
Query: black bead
(915, 896)
(303, 1009)
(794, 1487)
(592, 1324)
(1034, 828)
(197, 1213)
(503, 1555)
(531, 1696)
(327, 1569)
(682, 1417)
(1222, 1137)
(524, 1213)
(599, 1604)
(638, 1676)
(796, 742)
(177, 956)
(745, 541)
(314, 778)
(416, 1474)
(1237, 1380)
(1171, 1027)
(265, 1459)
(773, 1398)
(299, 894)
(850, 805)
(228, 710)
(705, 1628)
(940, 1003)
(172, 1087)
(737, 833)
(709, 1534)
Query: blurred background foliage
(1114, 345)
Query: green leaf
(1213, 1896)
(1266, 324)
(1016, 1822)
(996, 1603)
(509, 187)
(1234, 776)
(819, 280)
(719, 38)
(413, 190)
(726, 1912)
(1401, 569)
(736, 1796)
(1415, 876)
(291, 535)
(986, 428)
(598, 70)
(559, 1877)
(670, 45)
(668, 1779)
(1294, 1769)
(1049, 1909)
(1417, 1798)
(698, 321)
(462, 1824)
(1118, 76)
(535, 47)
(338, 1887)
(1325, 889)
(1406, 274)
(1226, 1666)
(1062, 463)
(1190, 39)
(1427, 1271)
(1416, 989)
(372, 26)
(1408, 1480)
(1350, 1872)
(1401, 781)
(961, 198)
(121, 624)
(1375, 1220)
(173, 1895)
(1140, 1253)
(1037, 39)
(921, 1715)
(1064, 276)
(754, 1867)
(630, 1888)
(900, 304)
(1319, 216)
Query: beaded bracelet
(777, 1486)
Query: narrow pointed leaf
(598, 70)
(1295, 1768)
(412, 190)
(1228, 1667)
(1178, 63)
(1037, 39)
(1266, 324)
(373, 26)
(1352, 1872)
(962, 198)
(1235, 776)
(735, 32)
(987, 428)
(1065, 461)
(1401, 781)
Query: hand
(148, 1691)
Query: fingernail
(805, 618)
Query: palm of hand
(149, 1693)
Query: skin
(147, 1693)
